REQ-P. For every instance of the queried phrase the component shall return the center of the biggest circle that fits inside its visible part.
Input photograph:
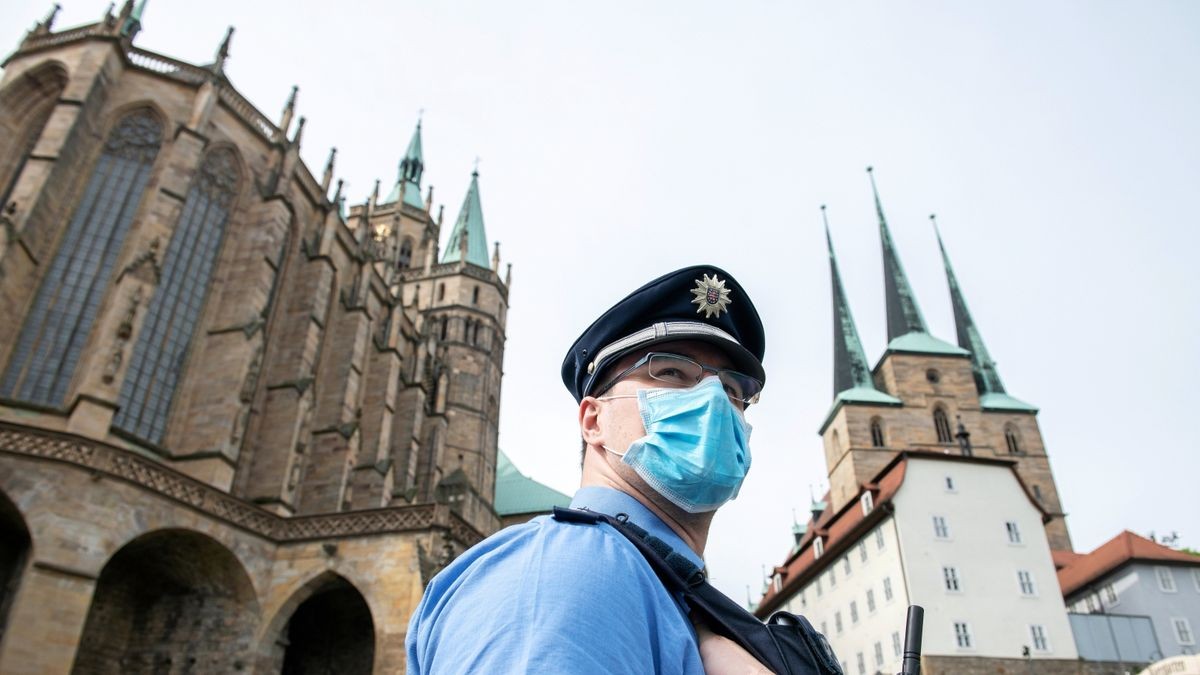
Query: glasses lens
(680, 371)
(675, 370)
(740, 386)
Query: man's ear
(589, 421)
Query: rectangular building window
(867, 502)
(819, 590)
(878, 654)
(871, 600)
(853, 611)
(949, 484)
(803, 601)
(824, 628)
(837, 622)
(887, 588)
(1166, 580)
(862, 551)
(950, 576)
(862, 664)
(1110, 594)
(940, 529)
(879, 538)
(896, 643)
(1038, 634)
(846, 565)
(1014, 534)
(1183, 631)
(832, 576)
(1025, 579)
(1196, 579)
(1090, 602)
(962, 635)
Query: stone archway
(171, 601)
(14, 551)
(325, 629)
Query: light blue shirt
(552, 597)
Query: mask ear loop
(618, 454)
(609, 398)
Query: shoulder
(580, 560)
(550, 589)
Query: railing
(151, 475)
(70, 35)
(165, 65)
(257, 121)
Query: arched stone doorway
(329, 632)
(172, 601)
(14, 552)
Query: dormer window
(818, 547)
(867, 502)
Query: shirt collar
(611, 502)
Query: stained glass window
(66, 304)
(162, 345)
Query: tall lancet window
(405, 258)
(1011, 439)
(65, 307)
(876, 433)
(942, 424)
(162, 345)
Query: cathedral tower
(924, 395)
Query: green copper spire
(906, 326)
(470, 221)
(850, 368)
(987, 379)
(411, 168)
(852, 381)
(903, 314)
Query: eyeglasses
(680, 371)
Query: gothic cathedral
(241, 421)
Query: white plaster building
(959, 536)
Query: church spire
(470, 226)
(850, 368)
(412, 165)
(987, 379)
(903, 314)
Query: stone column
(46, 621)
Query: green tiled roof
(924, 343)
(412, 165)
(1004, 402)
(865, 395)
(470, 219)
(517, 493)
(412, 195)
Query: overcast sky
(1057, 142)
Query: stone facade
(924, 383)
(270, 417)
(966, 665)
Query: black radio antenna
(911, 663)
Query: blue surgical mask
(696, 449)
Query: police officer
(663, 380)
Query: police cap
(701, 303)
